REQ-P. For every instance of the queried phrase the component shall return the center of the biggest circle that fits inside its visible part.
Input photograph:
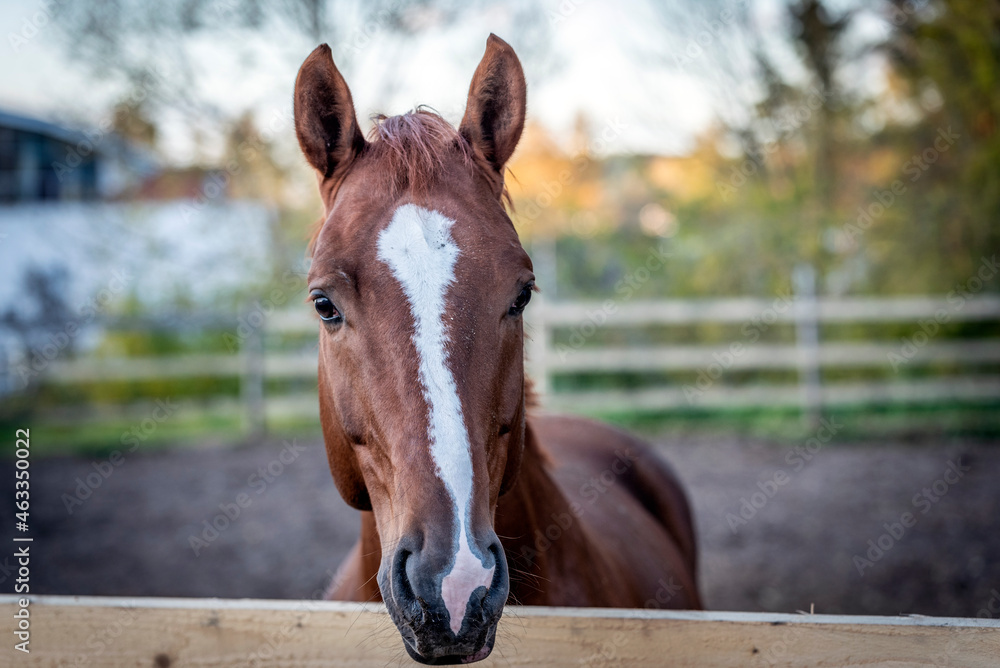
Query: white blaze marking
(418, 248)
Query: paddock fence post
(252, 382)
(538, 330)
(539, 338)
(807, 342)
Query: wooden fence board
(594, 358)
(766, 356)
(113, 632)
(749, 310)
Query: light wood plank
(112, 632)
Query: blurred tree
(819, 113)
(131, 121)
(41, 329)
(949, 52)
(149, 45)
(250, 158)
(818, 35)
(822, 144)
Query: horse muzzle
(436, 627)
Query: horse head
(419, 282)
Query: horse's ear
(494, 114)
(325, 122)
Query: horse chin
(438, 655)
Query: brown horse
(419, 279)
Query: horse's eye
(326, 310)
(522, 300)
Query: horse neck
(540, 533)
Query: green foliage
(860, 423)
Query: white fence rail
(807, 355)
(254, 365)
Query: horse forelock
(412, 148)
(412, 152)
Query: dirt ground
(802, 539)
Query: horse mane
(411, 147)
(531, 400)
(409, 152)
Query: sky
(595, 63)
(39, 78)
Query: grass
(99, 437)
(855, 423)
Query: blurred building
(89, 221)
(42, 161)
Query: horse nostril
(499, 562)
(496, 595)
(401, 588)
